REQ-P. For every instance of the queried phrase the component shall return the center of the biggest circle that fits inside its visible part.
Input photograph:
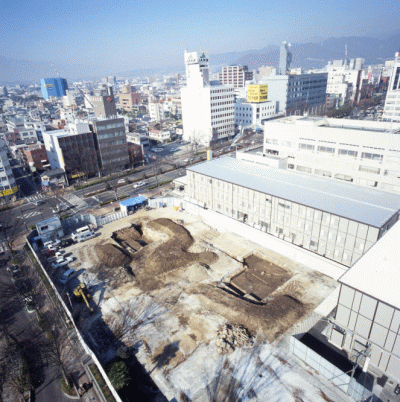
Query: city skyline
(149, 34)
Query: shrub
(67, 386)
(32, 227)
(102, 384)
(119, 375)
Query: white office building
(367, 320)
(333, 219)
(391, 111)
(253, 114)
(207, 106)
(365, 153)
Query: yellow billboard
(9, 191)
(257, 93)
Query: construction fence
(342, 380)
(80, 337)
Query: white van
(80, 231)
(85, 236)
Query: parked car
(121, 181)
(60, 262)
(66, 242)
(67, 275)
(140, 184)
(85, 236)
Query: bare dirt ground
(174, 304)
(260, 277)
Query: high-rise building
(8, 186)
(111, 145)
(104, 103)
(391, 111)
(53, 87)
(297, 93)
(235, 75)
(111, 79)
(207, 106)
(285, 58)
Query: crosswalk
(27, 215)
(36, 197)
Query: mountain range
(375, 49)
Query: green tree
(119, 375)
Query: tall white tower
(391, 111)
(207, 106)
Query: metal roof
(133, 201)
(376, 273)
(361, 204)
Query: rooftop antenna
(345, 53)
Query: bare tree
(111, 181)
(59, 348)
(12, 225)
(17, 377)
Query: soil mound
(168, 255)
(111, 256)
(232, 336)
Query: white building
(391, 111)
(344, 83)
(336, 220)
(156, 111)
(367, 320)
(207, 106)
(253, 114)
(8, 186)
(361, 152)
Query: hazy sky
(135, 34)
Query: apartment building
(365, 153)
(235, 75)
(130, 99)
(391, 111)
(207, 106)
(36, 157)
(8, 186)
(156, 111)
(336, 220)
(367, 320)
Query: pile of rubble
(232, 336)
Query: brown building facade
(79, 154)
(135, 152)
(128, 100)
(36, 157)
